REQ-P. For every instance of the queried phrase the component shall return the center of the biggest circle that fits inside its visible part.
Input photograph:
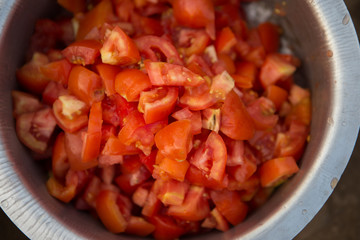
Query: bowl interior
(320, 33)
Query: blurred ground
(338, 219)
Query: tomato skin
(119, 49)
(262, 113)
(235, 120)
(57, 190)
(275, 171)
(225, 41)
(194, 117)
(24, 103)
(60, 162)
(129, 83)
(109, 212)
(173, 192)
(166, 74)
(35, 129)
(199, 178)
(30, 76)
(194, 208)
(198, 40)
(277, 95)
(115, 109)
(70, 120)
(198, 98)
(82, 52)
(230, 205)
(108, 73)
(169, 168)
(165, 228)
(173, 140)
(139, 226)
(57, 71)
(86, 85)
(146, 44)
(157, 103)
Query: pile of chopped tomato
(162, 117)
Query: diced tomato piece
(119, 49)
(173, 141)
(221, 85)
(63, 193)
(148, 44)
(114, 146)
(166, 228)
(198, 98)
(57, 71)
(198, 65)
(230, 205)
(262, 112)
(146, 25)
(173, 192)
(157, 103)
(225, 41)
(223, 63)
(297, 94)
(277, 95)
(109, 159)
(108, 73)
(216, 220)
(193, 41)
(247, 189)
(129, 83)
(199, 178)
(195, 14)
(31, 77)
(35, 129)
(140, 195)
(245, 76)
(235, 152)
(169, 168)
(152, 204)
(109, 212)
(139, 226)
(115, 109)
(236, 123)
(275, 171)
(83, 52)
(275, 69)
(194, 117)
(73, 6)
(73, 146)
(52, 92)
(60, 162)
(243, 171)
(133, 121)
(300, 112)
(269, 36)
(211, 157)
(92, 139)
(149, 161)
(195, 206)
(96, 17)
(24, 103)
(70, 113)
(166, 74)
(86, 85)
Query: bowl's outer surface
(320, 32)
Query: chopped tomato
(34, 129)
(173, 192)
(168, 168)
(245, 76)
(108, 73)
(165, 228)
(230, 205)
(194, 117)
(166, 74)
(109, 212)
(149, 161)
(216, 220)
(83, 52)
(63, 193)
(152, 204)
(301, 112)
(86, 85)
(139, 226)
(114, 146)
(157, 103)
(92, 139)
(129, 83)
(275, 69)
(223, 63)
(221, 85)
(70, 113)
(194, 208)
(275, 171)
(73, 6)
(195, 14)
(199, 178)
(225, 41)
(119, 49)
(193, 41)
(57, 71)
(60, 162)
(236, 123)
(277, 95)
(52, 92)
(173, 141)
(24, 103)
(198, 98)
(31, 77)
(115, 109)
(146, 25)
(262, 112)
(150, 45)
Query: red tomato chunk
(163, 118)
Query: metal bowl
(320, 32)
